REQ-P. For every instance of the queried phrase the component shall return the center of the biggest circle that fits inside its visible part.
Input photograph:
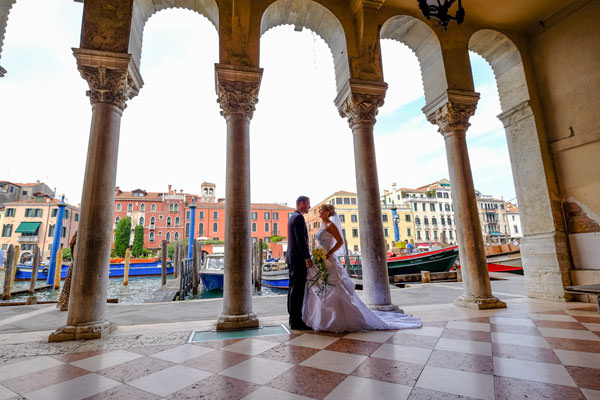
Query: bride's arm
(331, 228)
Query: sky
(173, 133)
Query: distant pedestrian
(409, 246)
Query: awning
(28, 227)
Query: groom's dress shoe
(300, 327)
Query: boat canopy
(28, 227)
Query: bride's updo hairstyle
(330, 208)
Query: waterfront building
(166, 215)
(10, 191)
(30, 223)
(493, 219)
(513, 221)
(346, 206)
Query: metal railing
(27, 239)
(186, 277)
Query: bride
(335, 306)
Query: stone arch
(421, 39)
(144, 9)
(544, 248)
(5, 7)
(317, 18)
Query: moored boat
(211, 271)
(276, 274)
(117, 270)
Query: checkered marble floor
(502, 355)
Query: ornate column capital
(359, 101)
(237, 89)
(452, 110)
(112, 77)
(515, 114)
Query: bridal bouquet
(321, 277)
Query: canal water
(138, 289)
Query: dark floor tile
(72, 357)
(148, 350)
(588, 378)
(591, 346)
(512, 389)
(593, 320)
(216, 387)
(528, 353)
(461, 361)
(393, 371)
(306, 381)
(134, 369)
(289, 353)
(559, 324)
(47, 377)
(354, 346)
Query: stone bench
(586, 289)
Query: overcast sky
(172, 132)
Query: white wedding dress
(339, 309)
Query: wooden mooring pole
(163, 262)
(126, 267)
(58, 270)
(10, 254)
(34, 269)
(176, 262)
(15, 264)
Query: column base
(237, 322)
(94, 330)
(479, 303)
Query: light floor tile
(465, 346)
(314, 341)
(373, 336)
(532, 371)
(425, 331)
(355, 387)
(27, 367)
(569, 333)
(182, 353)
(520, 340)
(5, 393)
(591, 326)
(257, 370)
(170, 380)
(250, 347)
(106, 360)
(74, 389)
(414, 355)
(470, 326)
(267, 393)
(591, 394)
(453, 381)
(553, 317)
(578, 358)
(512, 321)
(343, 363)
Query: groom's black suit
(297, 254)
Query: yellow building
(346, 206)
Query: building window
(176, 235)
(201, 229)
(354, 232)
(438, 194)
(275, 215)
(342, 217)
(435, 235)
(33, 212)
(254, 227)
(76, 217)
(385, 232)
(215, 215)
(51, 230)
(171, 207)
(64, 232)
(353, 218)
(7, 230)
(118, 206)
(152, 221)
(355, 248)
(353, 200)
(415, 206)
(275, 230)
(142, 221)
(417, 221)
(431, 207)
(176, 207)
(339, 200)
(433, 221)
(427, 235)
(177, 221)
(153, 207)
(344, 234)
(446, 195)
(384, 218)
(440, 206)
(447, 207)
(215, 227)
(117, 220)
(423, 206)
(407, 217)
(449, 220)
(516, 229)
(168, 236)
(450, 234)
(143, 207)
(442, 220)
(408, 232)
(346, 200)
(425, 221)
(201, 215)
(187, 229)
(130, 207)
(418, 235)
(267, 216)
(10, 212)
(266, 227)
(169, 221)
(53, 212)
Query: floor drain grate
(205, 336)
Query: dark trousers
(296, 292)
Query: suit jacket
(297, 250)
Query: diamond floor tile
(106, 360)
(257, 370)
(169, 380)
(182, 353)
(532, 371)
(464, 383)
(334, 361)
(74, 389)
(414, 355)
(357, 388)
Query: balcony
(27, 239)
(151, 226)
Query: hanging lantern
(440, 10)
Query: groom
(298, 260)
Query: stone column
(544, 249)
(359, 102)
(451, 112)
(237, 91)
(113, 79)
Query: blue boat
(116, 270)
(275, 274)
(211, 272)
